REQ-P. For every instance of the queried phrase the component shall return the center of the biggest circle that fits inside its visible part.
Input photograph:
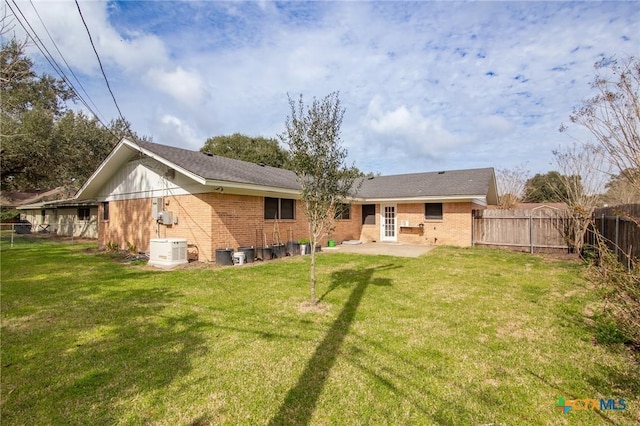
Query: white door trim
(388, 222)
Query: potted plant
(305, 246)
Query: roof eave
(248, 187)
(477, 199)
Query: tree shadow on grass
(300, 402)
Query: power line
(32, 34)
(100, 62)
(67, 64)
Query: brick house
(216, 202)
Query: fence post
(617, 234)
(473, 228)
(13, 230)
(531, 232)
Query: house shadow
(301, 400)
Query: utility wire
(31, 33)
(67, 64)
(100, 62)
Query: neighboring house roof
(71, 202)
(537, 206)
(13, 199)
(212, 170)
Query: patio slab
(387, 249)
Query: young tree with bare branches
(583, 175)
(511, 183)
(612, 116)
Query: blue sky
(426, 85)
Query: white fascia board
(33, 206)
(248, 187)
(477, 199)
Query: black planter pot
(249, 252)
(279, 250)
(224, 257)
(293, 248)
(264, 253)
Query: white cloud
(171, 130)
(185, 86)
(409, 131)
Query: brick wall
(213, 220)
(129, 221)
(454, 228)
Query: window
(343, 211)
(83, 213)
(43, 215)
(105, 210)
(368, 214)
(279, 208)
(433, 211)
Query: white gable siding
(146, 179)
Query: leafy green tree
(621, 189)
(545, 188)
(44, 143)
(30, 105)
(318, 159)
(253, 149)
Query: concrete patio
(387, 249)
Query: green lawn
(459, 336)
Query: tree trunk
(312, 273)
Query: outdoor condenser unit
(168, 252)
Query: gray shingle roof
(430, 184)
(471, 182)
(213, 167)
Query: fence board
(526, 230)
(546, 230)
(618, 225)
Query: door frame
(383, 223)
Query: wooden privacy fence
(541, 230)
(619, 227)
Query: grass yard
(459, 336)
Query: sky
(425, 85)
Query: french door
(388, 227)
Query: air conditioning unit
(168, 252)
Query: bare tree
(613, 115)
(511, 183)
(583, 175)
